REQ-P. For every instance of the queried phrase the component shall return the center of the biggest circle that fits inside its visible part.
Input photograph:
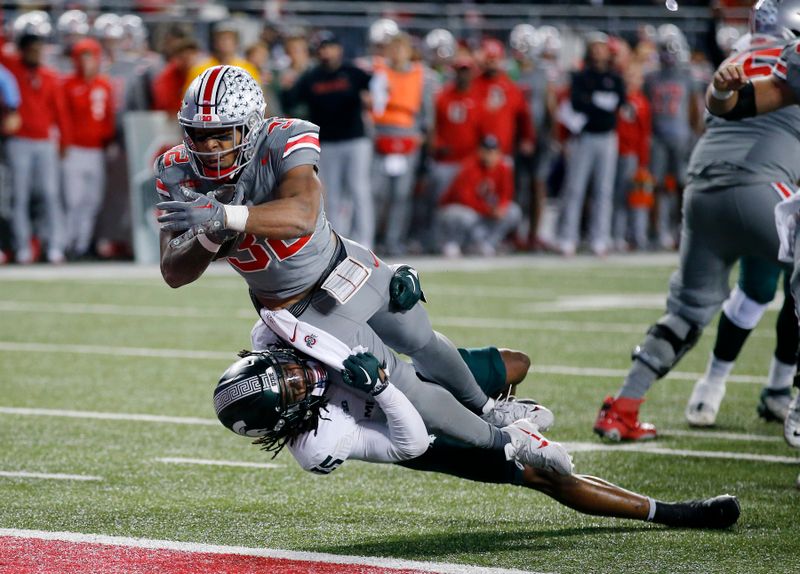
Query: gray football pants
(34, 165)
(592, 157)
(719, 227)
(393, 195)
(344, 168)
(84, 184)
(465, 226)
(623, 182)
(366, 320)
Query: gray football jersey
(669, 92)
(534, 85)
(763, 149)
(273, 268)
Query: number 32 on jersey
(261, 252)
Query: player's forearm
(288, 218)
(184, 262)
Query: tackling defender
(246, 189)
(326, 415)
(738, 172)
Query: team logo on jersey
(310, 340)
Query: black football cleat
(717, 513)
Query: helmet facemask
(222, 97)
(284, 402)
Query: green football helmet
(272, 395)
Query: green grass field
(120, 341)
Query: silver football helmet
(441, 43)
(525, 39)
(33, 23)
(673, 48)
(778, 18)
(73, 23)
(109, 27)
(222, 97)
(383, 30)
(134, 30)
(550, 40)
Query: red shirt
(42, 102)
(634, 129)
(483, 189)
(90, 109)
(458, 118)
(168, 88)
(506, 114)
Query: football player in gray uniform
(245, 188)
(734, 95)
(275, 396)
(738, 173)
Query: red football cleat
(618, 420)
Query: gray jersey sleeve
(291, 143)
(787, 68)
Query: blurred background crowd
(446, 128)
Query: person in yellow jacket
(224, 50)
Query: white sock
(781, 374)
(717, 371)
(652, 512)
(488, 406)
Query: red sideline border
(40, 552)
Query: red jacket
(457, 127)
(42, 101)
(505, 111)
(90, 109)
(485, 190)
(634, 129)
(167, 88)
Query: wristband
(721, 95)
(207, 243)
(236, 216)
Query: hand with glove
(365, 373)
(201, 211)
(404, 289)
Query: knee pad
(666, 342)
(743, 311)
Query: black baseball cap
(490, 142)
(326, 38)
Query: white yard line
(48, 476)
(206, 462)
(620, 373)
(436, 567)
(719, 435)
(108, 416)
(15, 347)
(115, 271)
(136, 417)
(574, 447)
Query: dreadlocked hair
(310, 415)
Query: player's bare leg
(592, 495)
(517, 364)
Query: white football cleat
(510, 409)
(529, 446)
(773, 404)
(703, 405)
(791, 426)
